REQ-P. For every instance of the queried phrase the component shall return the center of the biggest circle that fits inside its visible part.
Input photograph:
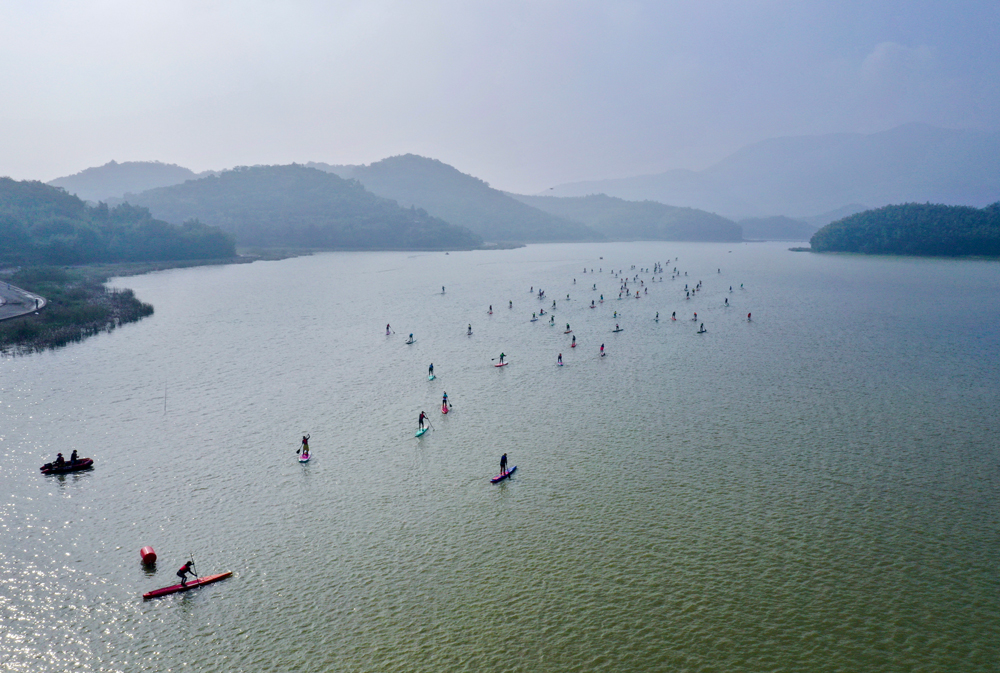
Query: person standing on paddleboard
(503, 464)
(305, 445)
(387, 329)
(559, 359)
(186, 569)
(430, 370)
(420, 420)
(444, 398)
(501, 358)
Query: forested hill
(113, 180)
(638, 220)
(296, 206)
(41, 224)
(915, 229)
(464, 200)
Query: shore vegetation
(79, 304)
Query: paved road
(14, 301)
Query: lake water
(815, 490)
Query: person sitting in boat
(420, 420)
(60, 461)
(73, 458)
(186, 569)
(503, 464)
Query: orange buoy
(148, 555)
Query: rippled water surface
(815, 490)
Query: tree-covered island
(915, 229)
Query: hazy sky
(524, 95)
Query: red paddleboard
(502, 364)
(190, 585)
(573, 345)
(444, 408)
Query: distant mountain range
(803, 176)
(638, 220)
(784, 188)
(301, 207)
(461, 199)
(114, 180)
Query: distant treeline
(915, 229)
(40, 224)
(297, 206)
(638, 220)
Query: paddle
(193, 569)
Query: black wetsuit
(503, 464)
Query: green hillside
(638, 220)
(296, 206)
(40, 224)
(915, 229)
(464, 200)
